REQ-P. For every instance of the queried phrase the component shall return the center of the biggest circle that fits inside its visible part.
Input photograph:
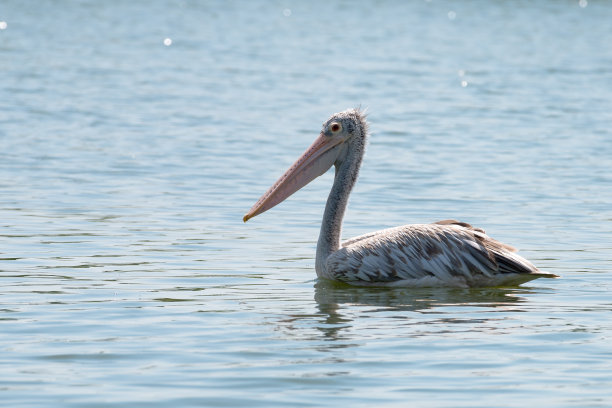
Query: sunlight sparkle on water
(3, 25)
(583, 3)
(287, 12)
(167, 42)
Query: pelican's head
(340, 133)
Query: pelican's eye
(335, 127)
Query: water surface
(128, 278)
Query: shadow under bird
(445, 253)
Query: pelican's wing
(491, 241)
(445, 253)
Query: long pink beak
(316, 160)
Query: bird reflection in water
(339, 304)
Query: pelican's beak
(316, 160)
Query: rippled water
(128, 278)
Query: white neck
(331, 227)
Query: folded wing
(441, 254)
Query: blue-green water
(128, 278)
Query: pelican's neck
(331, 227)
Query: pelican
(445, 253)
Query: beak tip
(245, 218)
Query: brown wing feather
(470, 227)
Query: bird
(446, 253)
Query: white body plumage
(448, 253)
